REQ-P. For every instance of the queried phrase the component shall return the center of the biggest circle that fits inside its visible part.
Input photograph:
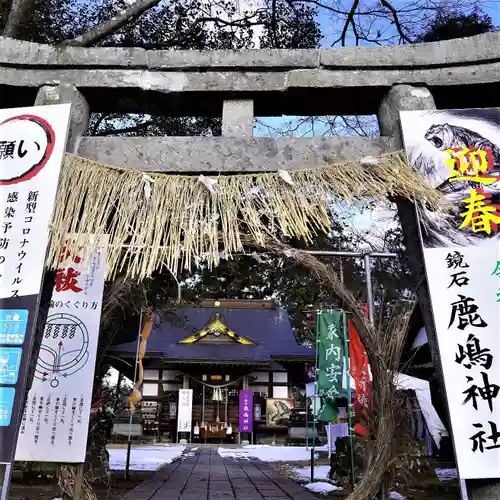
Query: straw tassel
(182, 212)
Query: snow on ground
(323, 447)
(320, 472)
(190, 453)
(268, 453)
(446, 474)
(321, 487)
(394, 495)
(144, 458)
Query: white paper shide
(185, 411)
(55, 423)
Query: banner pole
(349, 398)
(307, 423)
(5, 480)
(316, 370)
(129, 442)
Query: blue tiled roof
(270, 330)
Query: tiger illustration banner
(458, 152)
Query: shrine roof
(270, 332)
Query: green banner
(330, 364)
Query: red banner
(359, 370)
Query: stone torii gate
(239, 85)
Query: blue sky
(412, 16)
(416, 14)
(368, 223)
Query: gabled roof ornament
(217, 328)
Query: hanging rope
(218, 386)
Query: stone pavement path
(204, 475)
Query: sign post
(54, 426)
(185, 413)
(32, 145)
(246, 412)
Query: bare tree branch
(395, 16)
(115, 23)
(139, 8)
(348, 21)
(218, 22)
(125, 130)
(98, 122)
(18, 16)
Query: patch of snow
(446, 474)
(321, 487)
(394, 495)
(268, 453)
(370, 160)
(151, 80)
(190, 453)
(144, 458)
(419, 92)
(53, 93)
(323, 447)
(320, 472)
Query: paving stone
(206, 476)
(291, 488)
(164, 495)
(246, 491)
(304, 495)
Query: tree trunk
(18, 17)
(114, 24)
(97, 459)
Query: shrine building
(217, 349)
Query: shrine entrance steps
(204, 475)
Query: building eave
(299, 358)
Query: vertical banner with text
(458, 152)
(32, 145)
(185, 410)
(331, 364)
(55, 422)
(246, 411)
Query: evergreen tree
(449, 25)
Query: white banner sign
(55, 423)
(32, 144)
(458, 152)
(185, 413)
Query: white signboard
(55, 423)
(185, 413)
(32, 144)
(458, 151)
